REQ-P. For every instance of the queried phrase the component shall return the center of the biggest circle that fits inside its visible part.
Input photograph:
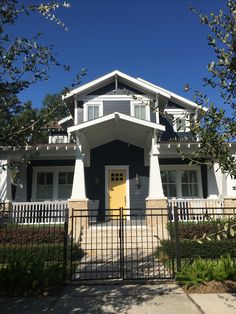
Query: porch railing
(39, 212)
(200, 207)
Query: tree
(24, 61)
(217, 126)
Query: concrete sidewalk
(130, 299)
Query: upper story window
(140, 110)
(58, 139)
(181, 125)
(92, 111)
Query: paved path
(127, 299)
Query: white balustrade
(197, 209)
(39, 212)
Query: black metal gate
(126, 245)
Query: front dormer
(134, 97)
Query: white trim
(65, 120)
(76, 111)
(138, 82)
(118, 167)
(55, 170)
(108, 76)
(178, 168)
(179, 99)
(92, 103)
(139, 102)
(112, 116)
(180, 114)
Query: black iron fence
(208, 233)
(32, 241)
(127, 245)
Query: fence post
(65, 243)
(177, 243)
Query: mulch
(213, 286)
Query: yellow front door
(116, 190)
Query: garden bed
(227, 286)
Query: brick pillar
(80, 218)
(157, 216)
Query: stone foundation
(79, 222)
(157, 216)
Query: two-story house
(119, 148)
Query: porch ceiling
(116, 126)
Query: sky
(157, 40)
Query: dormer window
(140, 110)
(181, 124)
(92, 111)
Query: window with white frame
(168, 178)
(52, 185)
(181, 124)
(181, 182)
(65, 181)
(44, 185)
(58, 139)
(140, 110)
(92, 111)
(189, 183)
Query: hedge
(189, 230)
(49, 252)
(193, 249)
(17, 234)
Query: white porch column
(5, 182)
(155, 184)
(156, 202)
(78, 200)
(214, 182)
(78, 189)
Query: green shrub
(18, 234)
(189, 230)
(201, 271)
(193, 249)
(30, 275)
(48, 252)
(225, 268)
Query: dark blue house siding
(116, 153)
(122, 89)
(170, 134)
(116, 106)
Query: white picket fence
(39, 212)
(197, 209)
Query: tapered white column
(78, 189)
(155, 184)
(5, 182)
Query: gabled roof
(135, 82)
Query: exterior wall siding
(116, 153)
(116, 106)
